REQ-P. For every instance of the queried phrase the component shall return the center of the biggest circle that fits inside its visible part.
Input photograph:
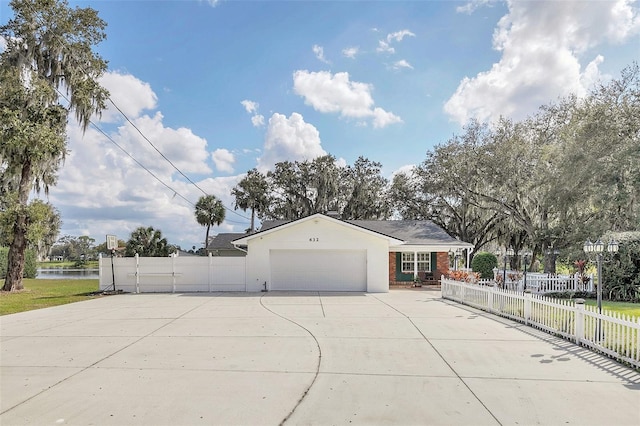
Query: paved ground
(402, 358)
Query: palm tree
(48, 46)
(251, 193)
(147, 242)
(209, 211)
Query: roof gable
(223, 241)
(273, 226)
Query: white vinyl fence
(173, 274)
(544, 283)
(613, 334)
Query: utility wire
(64, 42)
(169, 161)
(95, 126)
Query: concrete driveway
(401, 358)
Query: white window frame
(424, 261)
(409, 262)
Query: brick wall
(442, 264)
(441, 268)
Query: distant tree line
(567, 173)
(295, 189)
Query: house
(322, 253)
(220, 245)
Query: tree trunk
(549, 263)
(253, 215)
(16, 255)
(15, 261)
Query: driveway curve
(404, 357)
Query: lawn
(626, 308)
(39, 294)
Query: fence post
(462, 286)
(137, 274)
(527, 306)
(638, 340)
(210, 271)
(173, 273)
(579, 320)
(490, 293)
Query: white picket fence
(543, 283)
(611, 333)
(173, 274)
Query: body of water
(67, 274)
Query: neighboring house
(184, 253)
(322, 253)
(220, 245)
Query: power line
(64, 42)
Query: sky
(204, 91)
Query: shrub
(484, 263)
(572, 295)
(30, 265)
(621, 272)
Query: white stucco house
(322, 253)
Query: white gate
(173, 274)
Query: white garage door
(319, 270)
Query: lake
(67, 274)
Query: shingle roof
(223, 241)
(410, 231)
(413, 232)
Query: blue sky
(222, 87)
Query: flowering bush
(468, 277)
(514, 276)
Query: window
(424, 262)
(407, 263)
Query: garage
(319, 270)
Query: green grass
(39, 294)
(626, 308)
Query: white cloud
(402, 64)
(185, 150)
(289, 139)
(382, 118)
(407, 170)
(101, 190)
(350, 52)
(319, 52)
(3, 44)
(223, 159)
(252, 108)
(335, 93)
(383, 47)
(471, 6)
(542, 45)
(130, 94)
(257, 120)
(399, 35)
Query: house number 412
(314, 239)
